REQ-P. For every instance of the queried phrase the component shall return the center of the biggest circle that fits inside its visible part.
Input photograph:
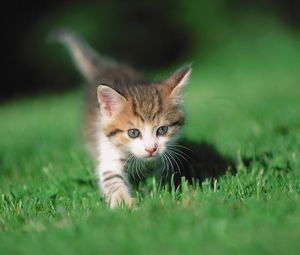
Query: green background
(242, 99)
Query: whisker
(163, 162)
(175, 158)
(169, 160)
(166, 164)
(140, 167)
(127, 161)
(179, 145)
(180, 153)
(135, 168)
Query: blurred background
(150, 35)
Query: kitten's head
(141, 119)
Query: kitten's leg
(112, 177)
(114, 184)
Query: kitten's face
(146, 118)
(146, 136)
(152, 138)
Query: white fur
(109, 155)
(149, 139)
(110, 160)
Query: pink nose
(151, 150)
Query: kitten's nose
(150, 150)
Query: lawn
(242, 100)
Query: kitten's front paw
(118, 200)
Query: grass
(243, 100)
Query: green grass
(243, 100)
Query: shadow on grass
(201, 161)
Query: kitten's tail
(87, 60)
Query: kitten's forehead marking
(147, 117)
(147, 103)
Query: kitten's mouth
(151, 157)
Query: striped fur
(119, 99)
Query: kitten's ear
(178, 80)
(111, 102)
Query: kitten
(126, 117)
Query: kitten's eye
(162, 130)
(133, 133)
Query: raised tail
(87, 60)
